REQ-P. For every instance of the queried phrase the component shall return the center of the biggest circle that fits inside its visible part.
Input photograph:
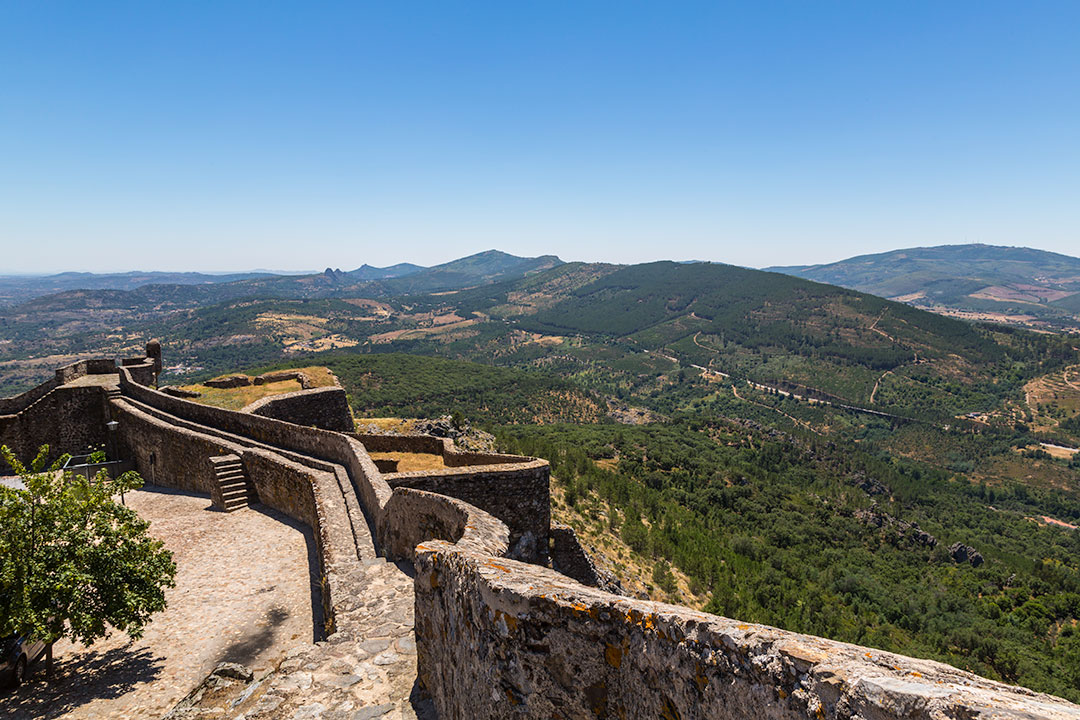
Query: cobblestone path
(347, 680)
(243, 593)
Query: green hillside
(985, 279)
(396, 385)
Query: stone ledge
(551, 647)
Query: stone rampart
(142, 372)
(326, 408)
(68, 373)
(452, 456)
(17, 403)
(503, 639)
(516, 494)
(93, 366)
(67, 419)
(326, 445)
(414, 516)
(168, 455)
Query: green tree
(73, 561)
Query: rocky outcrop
(905, 530)
(961, 553)
(870, 486)
(464, 435)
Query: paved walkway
(244, 593)
(373, 679)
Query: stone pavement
(344, 678)
(243, 593)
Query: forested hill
(977, 278)
(815, 340)
(665, 301)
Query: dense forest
(814, 538)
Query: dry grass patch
(241, 397)
(410, 461)
(385, 426)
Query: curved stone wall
(326, 408)
(412, 517)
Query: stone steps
(236, 490)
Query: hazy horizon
(240, 271)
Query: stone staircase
(112, 393)
(236, 491)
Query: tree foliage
(74, 562)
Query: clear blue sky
(232, 135)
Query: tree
(73, 561)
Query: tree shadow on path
(79, 679)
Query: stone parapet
(503, 639)
(414, 516)
(518, 494)
(326, 408)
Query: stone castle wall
(502, 639)
(168, 455)
(326, 408)
(68, 419)
(431, 445)
(516, 494)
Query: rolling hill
(1017, 285)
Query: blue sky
(232, 135)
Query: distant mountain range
(17, 288)
(1006, 284)
(180, 288)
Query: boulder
(961, 553)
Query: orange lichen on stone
(509, 620)
(699, 677)
(613, 654)
(497, 566)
